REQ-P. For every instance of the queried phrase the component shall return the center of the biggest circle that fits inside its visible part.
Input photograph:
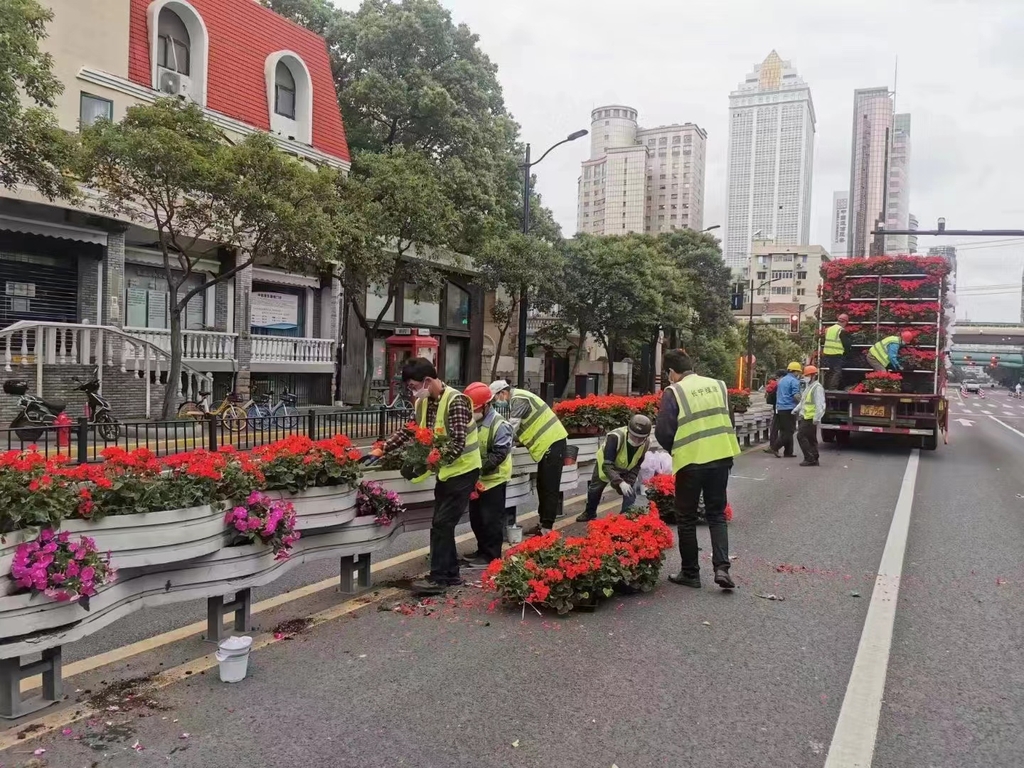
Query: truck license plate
(872, 410)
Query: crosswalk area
(975, 406)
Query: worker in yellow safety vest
(884, 354)
(695, 424)
(487, 509)
(835, 350)
(538, 428)
(618, 463)
(808, 416)
(447, 411)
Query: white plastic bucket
(233, 657)
(514, 535)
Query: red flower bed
(601, 413)
(565, 573)
(881, 381)
(739, 399)
(934, 266)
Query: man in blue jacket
(787, 396)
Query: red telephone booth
(401, 347)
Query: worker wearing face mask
(487, 510)
(619, 463)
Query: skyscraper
(872, 125)
(912, 224)
(948, 252)
(640, 179)
(898, 203)
(771, 154)
(840, 224)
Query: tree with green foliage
(407, 225)
(774, 348)
(33, 147)
(169, 169)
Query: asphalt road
(674, 678)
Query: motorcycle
(38, 413)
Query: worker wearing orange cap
(884, 355)
(487, 510)
(808, 416)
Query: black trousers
(787, 426)
(713, 482)
(835, 365)
(450, 499)
(487, 519)
(807, 436)
(773, 428)
(549, 478)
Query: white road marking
(853, 743)
(987, 413)
(965, 422)
(966, 410)
(1003, 423)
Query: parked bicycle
(38, 413)
(284, 415)
(400, 403)
(229, 411)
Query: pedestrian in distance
(443, 410)
(538, 428)
(770, 398)
(884, 355)
(835, 351)
(487, 510)
(808, 414)
(787, 395)
(694, 423)
(619, 463)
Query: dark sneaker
(808, 463)
(685, 581)
(789, 455)
(724, 580)
(428, 587)
(463, 559)
(583, 517)
(772, 452)
(476, 563)
(537, 531)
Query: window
(422, 309)
(92, 108)
(376, 297)
(457, 310)
(173, 43)
(284, 91)
(762, 275)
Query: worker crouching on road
(835, 351)
(808, 415)
(445, 411)
(487, 510)
(884, 355)
(694, 424)
(787, 395)
(619, 463)
(538, 428)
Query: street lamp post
(523, 294)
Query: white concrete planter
(570, 478)
(519, 491)
(325, 507)
(409, 492)
(155, 538)
(522, 461)
(8, 545)
(588, 448)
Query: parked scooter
(37, 413)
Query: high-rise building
(640, 179)
(840, 224)
(912, 224)
(898, 202)
(872, 126)
(948, 252)
(771, 154)
(785, 281)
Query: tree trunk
(577, 356)
(364, 398)
(174, 373)
(502, 331)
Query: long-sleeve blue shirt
(788, 393)
(893, 351)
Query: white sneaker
(545, 531)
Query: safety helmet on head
(479, 393)
(794, 367)
(499, 386)
(639, 427)
(907, 337)
(843, 318)
(810, 370)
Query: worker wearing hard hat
(835, 351)
(538, 428)
(487, 510)
(884, 355)
(787, 395)
(619, 462)
(808, 415)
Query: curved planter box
(325, 507)
(588, 447)
(8, 545)
(522, 461)
(155, 538)
(519, 491)
(570, 478)
(410, 493)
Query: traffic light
(794, 323)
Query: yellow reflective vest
(705, 432)
(541, 428)
(469, 459)
(504, 471)
(878, 351)
(810, 410)
(622, 461)
(833, 346)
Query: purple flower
(88, 573)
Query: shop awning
(50, 229)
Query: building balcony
(285, 354)
(216, 351)
(211, 351)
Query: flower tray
(323, 507)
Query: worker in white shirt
(808, 414)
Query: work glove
(625, 488)
(369, 460)
(409, 471)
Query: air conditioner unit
(175, 84)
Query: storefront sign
(271, 308)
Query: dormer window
(173, 43)
(284, 91)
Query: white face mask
(636, 442)
(419, 394)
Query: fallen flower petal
(66, 732)
(137, 747)
(39, 751)
(184, 735)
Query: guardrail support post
(211, 432)
(382, 423)
(82, 432)
(217, 609)
(311, 424)
(12, 672)
(355, 574)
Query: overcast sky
(961, 76)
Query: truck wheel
(929, 442)
(842, 438)
(828, 436)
